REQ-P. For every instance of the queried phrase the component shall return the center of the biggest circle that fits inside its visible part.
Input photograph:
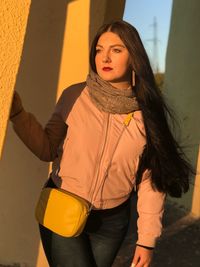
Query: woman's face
(113, 60)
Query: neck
(109, 99)
(121, 85)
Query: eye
(116, 50)
(98, 50)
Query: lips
(107, 69)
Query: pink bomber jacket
(95, 155)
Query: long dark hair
(162, 155)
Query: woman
(106, 137)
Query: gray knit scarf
(108, 98)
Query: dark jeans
(98, 244)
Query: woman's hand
(16, 107)
(142, 257)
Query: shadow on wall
(21, 171)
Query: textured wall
(13, 20)
(182, 83)
(22, 174)
(54, 55)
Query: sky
(141, 14)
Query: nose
(106, 58)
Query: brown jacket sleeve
(43, 142)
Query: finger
(136, 259)
(140, 264)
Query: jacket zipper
(126, 123)
(94, 194)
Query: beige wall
(53, 55)
(182, 84)
(13, 16)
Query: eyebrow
(112, 45)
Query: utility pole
(155, 41)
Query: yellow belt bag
(62, 212)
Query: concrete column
(182, 84)
(45, 49)
(31, 66)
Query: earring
(133, 78)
